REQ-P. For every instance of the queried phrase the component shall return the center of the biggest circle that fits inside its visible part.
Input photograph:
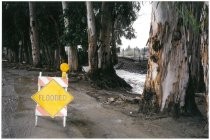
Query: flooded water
(136, 80)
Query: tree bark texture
(105, 62)
(34, 35)
(175, 72)
(114, 49)
(74, 58)
(204, 50)
(92, 48)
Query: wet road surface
(86, 117)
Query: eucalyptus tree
(105, 63)
(118, 19)
(92, 41)
(15, 35)
(50, 28)
(7, 33)
(107, 19)
(75, 32)
(47, 25)
(34, 35)
(111, 19)
(204, 27)
(177, 67)
(123, 16)
(66, 25)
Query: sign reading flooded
(52, 98)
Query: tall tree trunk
(19, 53)
(107, 76)
(9, 54)
(105, 62)
(34, 35)
(30, 60)
(58, 55)
(46, 54)
(15, 52)
(66, 31)
(57, 59)
(24, 50)
(204, 50)
(74, 58)
(174, 68)
(92, 47)
(73, 50)
(114, 49)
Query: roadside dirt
(94, 113)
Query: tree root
(108, 80)
(148, 104)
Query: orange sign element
(52, 98)
(64, 68)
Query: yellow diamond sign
(52, 98)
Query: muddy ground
(94, 113)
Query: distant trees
(98, 25)
(42, 27)
(50, 25)
(15, 32)
(177, 68)
(136, 53)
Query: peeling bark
(174, 69)
(204, 50)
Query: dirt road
(87, 117)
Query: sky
(141, 26)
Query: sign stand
(42, 81)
